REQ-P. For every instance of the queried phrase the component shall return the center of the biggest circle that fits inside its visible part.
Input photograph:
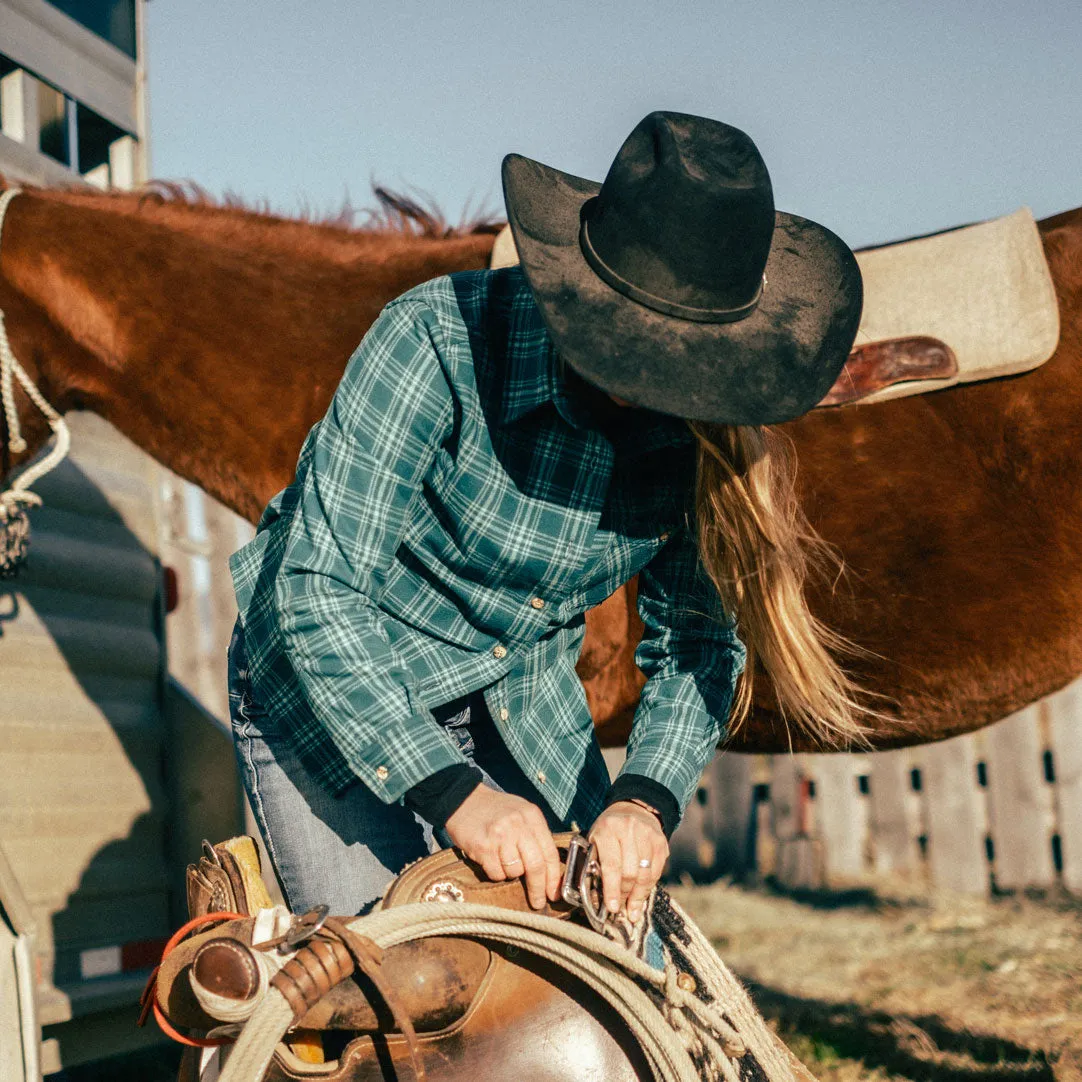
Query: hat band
(651, 300)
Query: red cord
(160, 1016)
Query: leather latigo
(876, 365)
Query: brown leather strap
(329, 958)
(369, 958)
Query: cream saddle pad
(984, 290)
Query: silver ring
(645, 862)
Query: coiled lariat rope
(686, 1037)
(14, 522)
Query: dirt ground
(871, 986)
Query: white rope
(683, 1038)
(19, 495)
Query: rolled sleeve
(692, 657)
(362, 471)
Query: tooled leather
(873, 366)
(452, 867)
(210, 890)
(236, 878)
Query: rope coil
(684, 1037)
(14, 523)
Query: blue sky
(878, 120)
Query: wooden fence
(999, 809)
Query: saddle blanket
(985, 290)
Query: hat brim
(774, 365)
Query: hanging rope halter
(14, 503)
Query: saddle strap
(331, 958)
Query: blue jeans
(344, 850)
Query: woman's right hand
(508, 837)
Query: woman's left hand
(632, 850)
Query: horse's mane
(395, 212)
(397, 223)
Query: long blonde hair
(758, 549)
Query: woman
(505, 449)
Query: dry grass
(901, 985)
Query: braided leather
(331, 957)
(311, 973)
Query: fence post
(799, 856)
(732, 810)
(838, 813)
(892, 834)
(1065, 730)
(1019, 803)
(956, 838)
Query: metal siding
(82, 789)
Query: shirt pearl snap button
(382, 773)
(499, 650)
(541, 777)
(504, 713)
(537, 602)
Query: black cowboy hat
(676, 286)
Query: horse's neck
(213, 350)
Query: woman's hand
(508, 837)
(632, 849)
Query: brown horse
(214, 338)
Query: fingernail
(612, 905)
(634, 913)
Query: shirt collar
(533, 368)
(534, 377)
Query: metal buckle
(303, 928)
(211, 854)
(582, 882)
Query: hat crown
(684, 219)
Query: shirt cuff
(440, 795)
(640, 787)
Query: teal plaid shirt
(452, 518)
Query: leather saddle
(475, 1006)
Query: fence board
(691, 849)
(731, 812)
(799, 855)
(1065, 731)
(838, 814)
(893, 836)
(955, 829)
(1019, 804)
(785, 796)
